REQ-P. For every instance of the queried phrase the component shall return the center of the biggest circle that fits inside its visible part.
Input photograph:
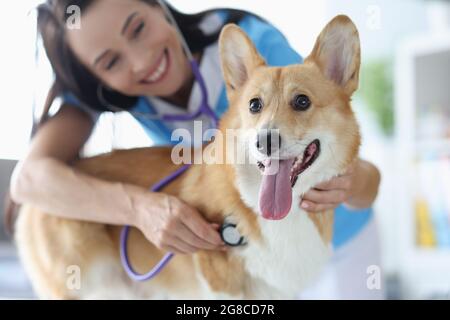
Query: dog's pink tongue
(275, 194)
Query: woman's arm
(45, 180)
(357, 189)
(363, 189)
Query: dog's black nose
(268, 141)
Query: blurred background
(403, 106)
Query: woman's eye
(255, 105)
(301, 102)
(138, 30)
(112, 63)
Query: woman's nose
(140, 64)
(140, 68)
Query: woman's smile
(158, 70)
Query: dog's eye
(255, 105)
(301, 102)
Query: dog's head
(299, 123)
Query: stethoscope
(228, 231)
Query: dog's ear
(239, 56)
(337, 53)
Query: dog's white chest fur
(292, 251)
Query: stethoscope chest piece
(230, 235)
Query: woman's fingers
(330, 196)
(183, 246)
(178, 245)
(317, 207)
(215, 226)
(320, 200)
(192, 239)
(337, 183)
(202, 229)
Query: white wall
(382, 23)
(17, 76)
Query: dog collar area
(230, 235)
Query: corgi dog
(298, 130)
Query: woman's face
(131, 47)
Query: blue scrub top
(275, 49)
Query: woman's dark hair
(72, 76)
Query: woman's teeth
(156, 75)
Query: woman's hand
(172, 225)
(356, 188)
